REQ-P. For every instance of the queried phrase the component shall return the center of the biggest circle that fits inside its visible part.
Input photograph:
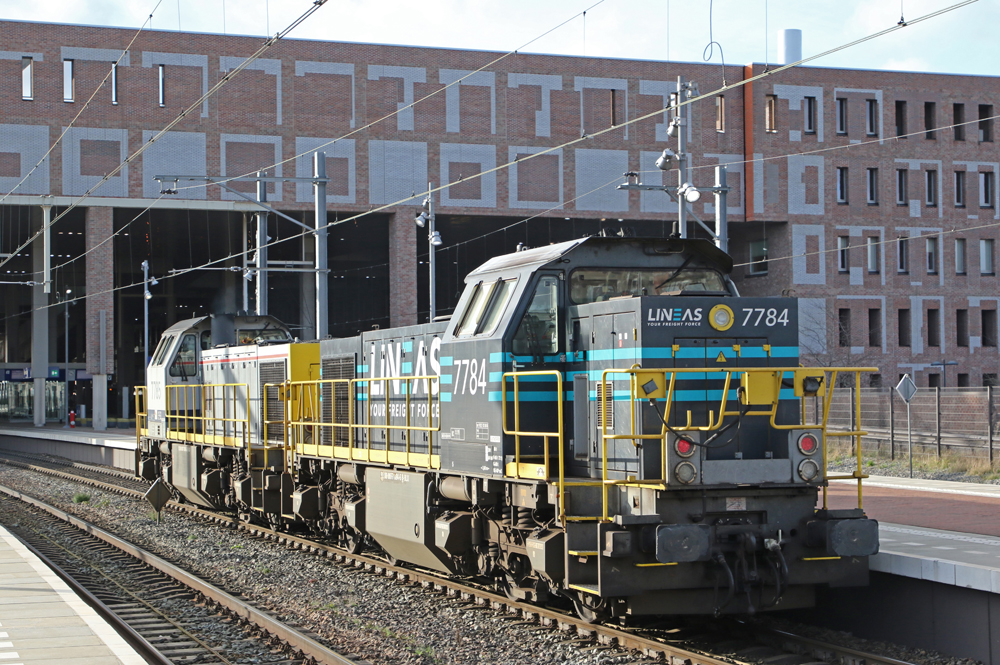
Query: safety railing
(216, 414)
(141, 417)
(760, 387)
(302, 422)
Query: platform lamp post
(146, 296)
(426, 218)
(944, 364)
(66, 353)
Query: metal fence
(961, 421)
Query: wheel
(353, 541)
(590, 608)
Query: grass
(192, 536)
(237, 546)
(80, 497)
(977, 468)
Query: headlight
(721, 317)
(685, 472)
(808, 470)
(808, 443)
(684, 447)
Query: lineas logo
(677, 316)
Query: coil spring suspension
(524, 519)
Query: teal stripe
(445, 397)
(407, 346)
(495, 377)
(753, 352)
(407, 368)
(496, 358)
(446, 361)
(655, 352)
(362, 369)
(446, 378)
(784, 352)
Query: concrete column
(39, 323)
(100, 309)
(402, 269)
(307, 292)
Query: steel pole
(682, 159)
(909, 438)
(431, 263)
(246, 282)
(261, 260)
(721, 208)
(66, 354)
(322, 280)
(145, 316)
(47, 249)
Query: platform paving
(43, 622)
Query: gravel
(380, 620)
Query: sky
(745, 30)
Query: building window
(933, 327)
(959, 121)
(771, 113)
(844, 320)
(161, 95)
(758, 257)
(841, 184)
(810, 120)
(959, 189)
(841, 116)
(872, 245)
(901, 187)
(962, 327)
(872, 186)
(901, 119)
(934, 380)
(720, 113)
(932, 263)
(989, 321)
(875, 327)
(27, 78)
(902, 255)
(871, 117)
(114, 83)
(985, 123)
(930, 177)
(903, 327)
(843, 253)
(963, 380)
(986, 189)
(986, 256)
(930, 120)
(959, 256)
(874, 380)
(990, 379)
(69, 84)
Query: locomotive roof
(541, 256)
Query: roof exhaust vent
(789, 46)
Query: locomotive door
(615, 344)
(691, 392)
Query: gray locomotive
(603, 420)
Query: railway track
(164, 612)
(701, 643)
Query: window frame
(184, 373)
(987, 259)
(872, 255)
(871, 186)
(842, 185)
(770, 114)
(932, 255)
(114, 84)
(27, 78)
(720, 114)
(871, 117)
(958, 120)
(959, 189)
(987, 189)
(843, 254)
(69, 81)
(758, 267)
(841, 112)
(930, 121)
(901, 124)
(902, 181)
(161, 87)
(985, 123)
(904, 328)
(903, 255)
(809, 119)
(934, 327)
(930, 185)
(960, 256)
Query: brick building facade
(813, 156)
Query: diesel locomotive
(604, 421)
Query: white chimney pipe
(789, 46)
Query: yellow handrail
(715, 421)
(141, 417)
(182, 420)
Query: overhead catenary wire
(268, 43)
(679, 103)
(86, 104)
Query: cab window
(501, 296)
(538, 333)
(186, 361)
(206, 340)
(474, 310)
(161, 349)
(597, 285)
(263, 334)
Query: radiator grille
(274, 408)
(336, 398)
(605, 405)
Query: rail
(302, 422)
(213, 413)
(760, 387)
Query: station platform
(43, 622)
(113, 447)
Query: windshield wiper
(675, 273)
